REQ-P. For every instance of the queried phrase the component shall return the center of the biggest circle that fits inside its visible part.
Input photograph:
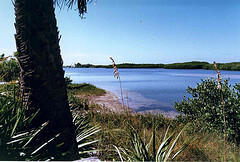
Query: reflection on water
(147, 89)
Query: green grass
(207, 146)
(85, 90)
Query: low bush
(206, 106)
(9, 69)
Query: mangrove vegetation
(184, 65)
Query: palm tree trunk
(42, 75)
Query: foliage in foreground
(84, 135)
(18, 142)
(207, 146)
(206, 106)
(14, 132)
(140, 150)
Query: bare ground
(108, 101)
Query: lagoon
(154, 90)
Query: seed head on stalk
(219, 79)
(116, 74)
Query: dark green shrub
(77, 103)
(68, 81)
(206, 106)
(9, 69)
(187, 65)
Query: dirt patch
(108, 101)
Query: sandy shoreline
(112, 103)
(108, 101)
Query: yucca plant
(16, 138)
(20, 142)
(14, 135)
(84, 136)
(140, 150)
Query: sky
(142, 31)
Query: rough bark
(42, 75)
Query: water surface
(147, 89)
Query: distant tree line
(124, 65)
(184, 65)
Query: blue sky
(142, 31)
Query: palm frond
(80, 4)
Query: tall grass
(140, 150)
(114, 131)
(219, 80)
(116, 74)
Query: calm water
(147, 89)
